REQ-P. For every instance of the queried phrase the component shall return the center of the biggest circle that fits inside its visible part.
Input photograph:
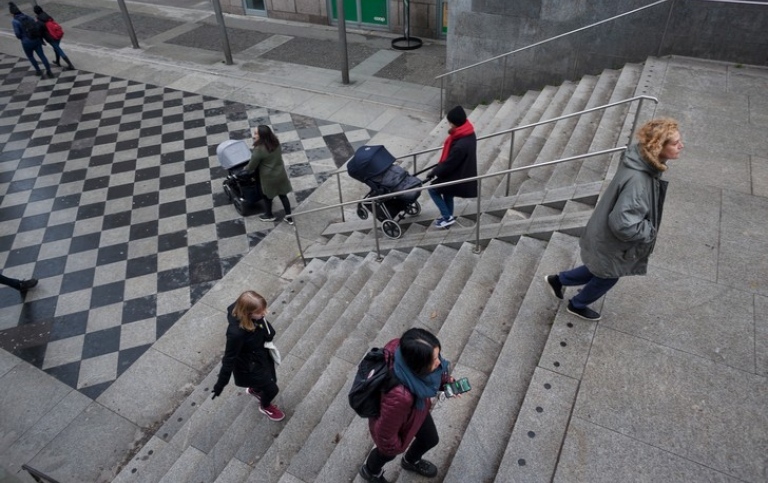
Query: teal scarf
(421, 387)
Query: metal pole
(343, 41)
(338, 183)
(442, 80)
(634, 122)
(415, 168)
(503, 77)
(298, 242)
(666, 26)
(509, 163)
(223, 28)
(477, 223)
(376, 232)
(128, 24)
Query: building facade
(428, 18)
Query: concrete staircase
(491, 310)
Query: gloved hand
(429, 178)
(217, 390)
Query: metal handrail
(512, 131)
(556, 37)
(440, 185)
(38, 475)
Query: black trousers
(11, 282)
(426, 439)
(286, 205)
(266, 392)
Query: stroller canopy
(369, 161)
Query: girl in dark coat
(30, 45)
(405, 410)
(267, 157)
(458, 160)
(245, 355)
(43, 18)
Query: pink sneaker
(273, 412)
(253, 393)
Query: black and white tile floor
(111, 197)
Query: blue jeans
(443, 202)
(59, 53)
(594, 286)
(35, 47)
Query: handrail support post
(341, 199)
(376, 232)
(477, 248)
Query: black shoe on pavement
(368, 476)
(555, 287)
(585, 313)
(288, 219)
(422, 467)
(26, 285)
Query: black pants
(426, 439)
(286, 206)
(11, 282)
(266, 392)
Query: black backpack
(373, 378)
(30, 26)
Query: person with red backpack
(27, 30)
(52, 33)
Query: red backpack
(54, 29)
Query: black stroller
(243, 190)
(374, 166)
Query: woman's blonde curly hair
(652, 137)
(247, 303)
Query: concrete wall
(480, 29)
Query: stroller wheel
(362, 213)
(413, 209)
(391, 229)
(239, 205)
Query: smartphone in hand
(456, 387)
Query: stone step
(559, 136)
(482, 445)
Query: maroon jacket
(399, 420)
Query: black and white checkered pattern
(111, 196)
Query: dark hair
(13, 8)
(38, 9)
(267, 138)
(417, 347)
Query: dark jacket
(274, 179)
(621, 234)
(460, 163)
(399, 420)
(42, 18)
(245, 355)
(19, 31)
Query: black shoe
(288, 219)
(555, 287)
(267, 218)
(39, 73)
(49, 74)
(57, 63)
(368, 476)
(422, 467)
(26, 285)
(585, 313)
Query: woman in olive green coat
(267, 157)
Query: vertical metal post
(415, 168)
(298, 242)
(343, 41)
(477, 223)
(634, 121)
(503, 77)
(376, 232)
(223, 29)
(666, 27)
(338, 183)
(442, 87)
(128, 24)
(509, 163)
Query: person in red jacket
(404, 419)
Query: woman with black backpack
(52, 33)
(27, 30)
(404, 421)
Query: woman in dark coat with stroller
(405, 421)
(267, 157)
(458, 160)
(246, 356)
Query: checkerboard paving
(111, 197)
